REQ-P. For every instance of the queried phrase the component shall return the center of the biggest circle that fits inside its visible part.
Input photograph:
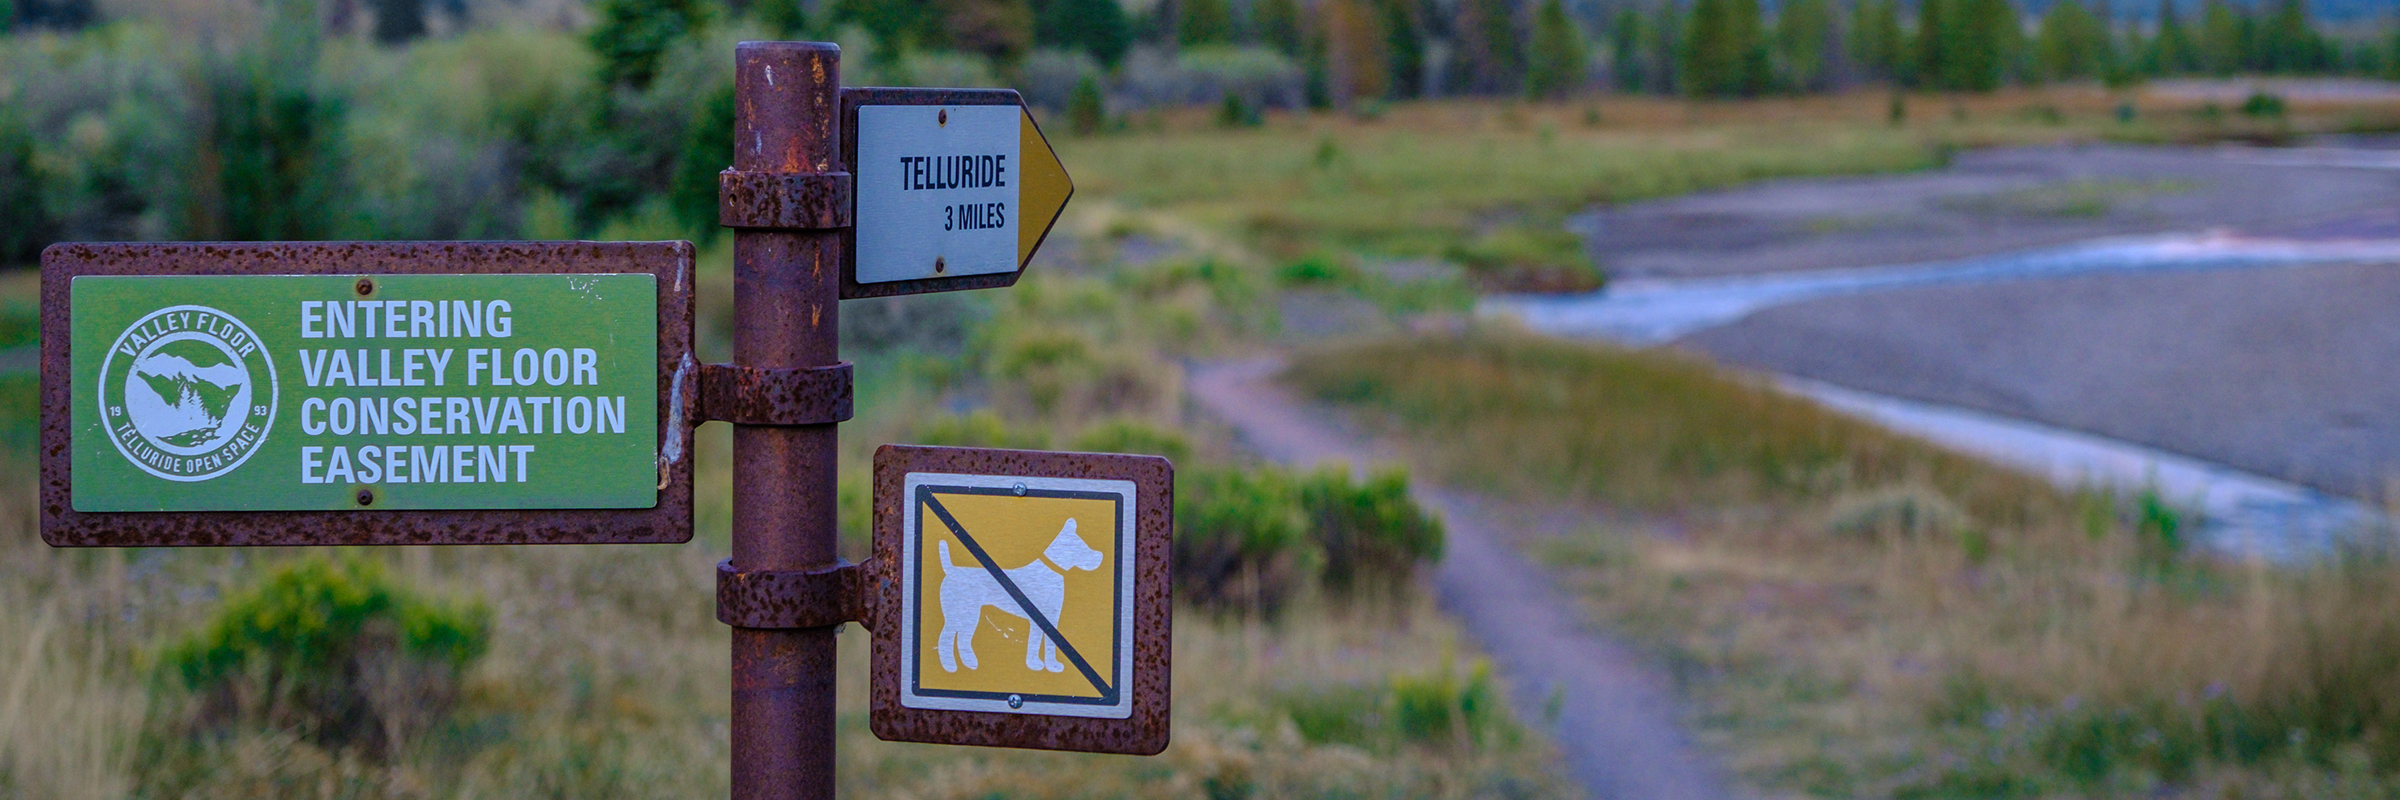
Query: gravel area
(2289, 372)
(1989, 202)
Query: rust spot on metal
(766, 396)
(62, 526)
(1146, 731)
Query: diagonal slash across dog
(1037, 591)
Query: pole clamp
(774, 599)
(768, 396)
(784, 200)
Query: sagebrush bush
(335, 653)
(1254, 538)
(1122, 435)
(1373, 534)
(979, 429)
(1241, 538)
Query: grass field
(1859, 614)
(1849, 609)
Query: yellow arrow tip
(1042, 191)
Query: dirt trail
(1618, 723)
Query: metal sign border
(1145, 731)
(854, 97)
(1115, 702)
(669, 522)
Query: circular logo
(187, 393)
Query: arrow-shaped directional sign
(955, 189)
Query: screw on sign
(382, 393)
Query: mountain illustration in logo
(192, 388)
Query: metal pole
(786, 292)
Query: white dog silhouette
(967, 589)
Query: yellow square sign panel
(1027, 601)
(1014, 592)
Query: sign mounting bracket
(775, 396)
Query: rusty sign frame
(854, 97)
(668, 522)
(1142, 733)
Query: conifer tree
(1625, 50)
(27, 227)
(1277, 23)
(1556, 57)
(2253, 56)
(1728, 53)
(1097, 27)
(1875, 37)
(2220, 39)
(2288, 43)
(2172, 51)
(1491, 59)
(1803, 31)
(1985, 41)
(1930, 64)
(2070, 43)
(1666, 47)
(1201, 22)
(2391, 57)
(1403, 47)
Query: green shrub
(1373, 534)
(279, 142)
(1132, 436)
(2263, 105)
(1443, 709)
(27, 227)
(2159, 531)
(1257, 537)
(1234, 112)
(1318, 269)
(1340, 714)
(1240, 538)
(1520, 259)
(983, 428)
(333, 652)
(1086, 109)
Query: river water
(2242, 513)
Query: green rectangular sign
(325, 392)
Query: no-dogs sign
(1029, 608)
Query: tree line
(1403, 49)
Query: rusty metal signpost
(363, 393)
